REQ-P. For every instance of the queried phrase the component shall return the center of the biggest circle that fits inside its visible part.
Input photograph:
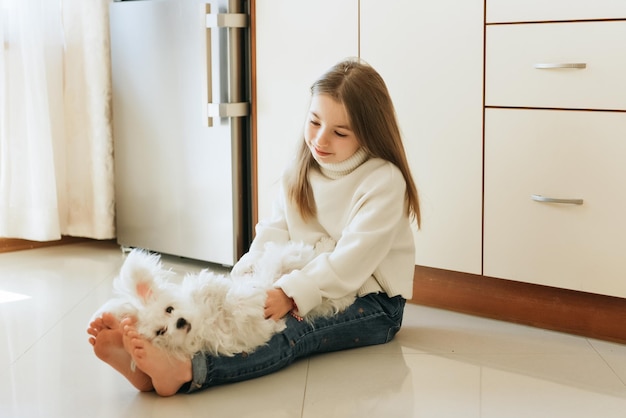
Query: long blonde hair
(373, 120)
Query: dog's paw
(325, 245)
(246, 265)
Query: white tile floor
(441, 364)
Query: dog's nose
(181, 323)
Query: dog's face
(166, 320)
(162, 308)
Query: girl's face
(327, 131)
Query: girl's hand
(277, 305)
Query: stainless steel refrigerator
(180, 73)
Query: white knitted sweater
(361, 204)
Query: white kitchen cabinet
(555, 145)
(296, 41)
(430, 54)
(557, 65)
(577, 157)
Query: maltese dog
(209, 312)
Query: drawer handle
(548, 66)
(543, 199)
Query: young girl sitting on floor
(351, 181)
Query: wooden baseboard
(13, 244)
(585, 314)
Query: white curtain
(56, 156)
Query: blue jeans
(372, 319)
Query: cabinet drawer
(548, 10)
(560, 154)
(513, 51)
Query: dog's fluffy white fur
(210, 312)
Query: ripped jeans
(372, 319)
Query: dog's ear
(144, 291)
(142, 281)
(139, 275)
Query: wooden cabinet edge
(585, 314)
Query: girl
(351, 181)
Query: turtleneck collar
(338, 170)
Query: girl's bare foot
(168, 373)
(107, 341)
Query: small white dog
(209, 312)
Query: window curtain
(56, 152)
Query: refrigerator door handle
(230, 21)
(228, 110)
(227, 20)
